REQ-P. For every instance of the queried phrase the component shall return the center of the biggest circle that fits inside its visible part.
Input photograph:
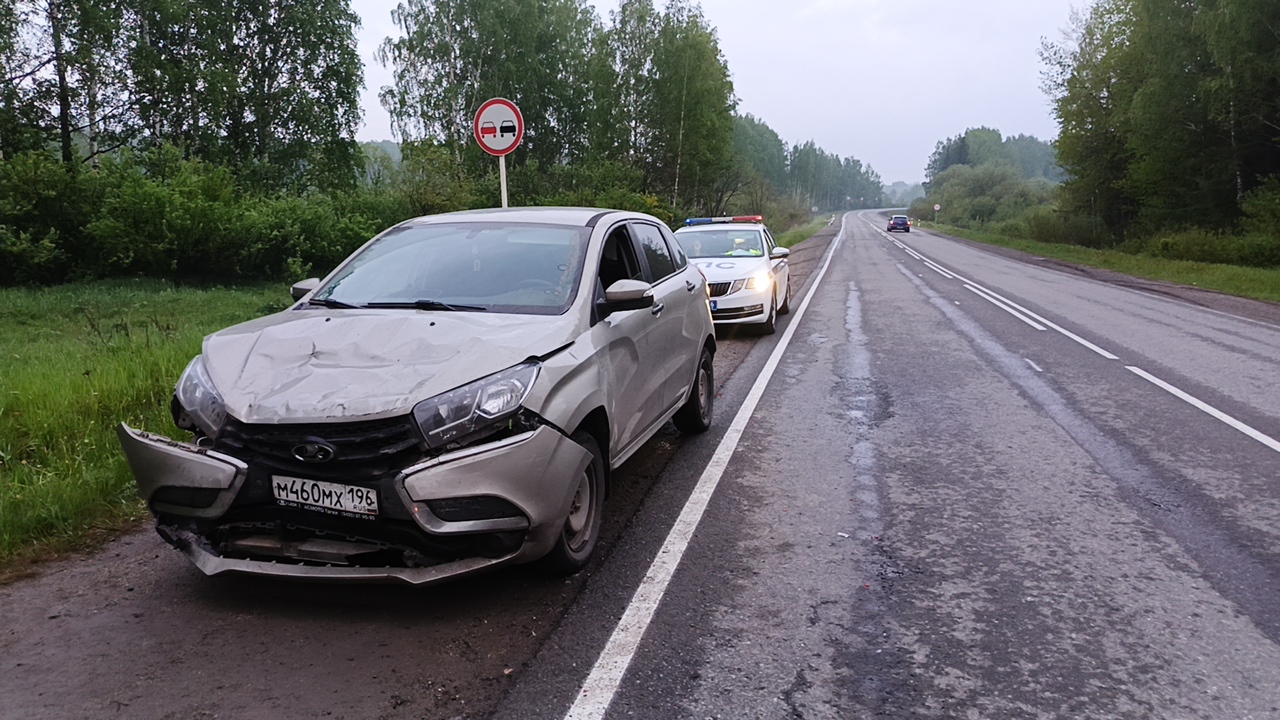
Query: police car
(747, 276)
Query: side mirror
(300, 289)
(779, 252)
(628, 295)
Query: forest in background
(214, 141)
(1169, 144)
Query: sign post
(499, 128)
(936, 208)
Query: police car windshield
(721, 242)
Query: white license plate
(328, 496)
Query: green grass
(797, 235)
(1256, 283)
(76, 360)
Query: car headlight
(759, 280)
(461, 412)
(199, 400)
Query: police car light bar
(735, 218)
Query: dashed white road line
(600, 687)
(1034, 320)
(1247, 430)
(1034, 366)
(1011, 304)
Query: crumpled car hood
(325, 365)
(730, 268)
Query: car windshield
(741, 242)
(494, 267)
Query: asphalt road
(982, 487)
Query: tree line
(207, 140)
(982, 179)
(1170, 125)
(1169, 142)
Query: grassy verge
(1256, 283)
(76, 360)
(797, 235)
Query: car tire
(695, 415)
(581, 530)
(770, 324)
(785, 307)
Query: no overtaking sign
(499, 126)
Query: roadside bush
(1045, 224)
(284, 235)
(43, 208)
(1262, 209)
(162, 216)
(1253, 250)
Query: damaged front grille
(368, 448)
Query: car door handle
(690, 285)
(657, 309)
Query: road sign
(499, 126)
(936, 208)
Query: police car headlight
(759, 281)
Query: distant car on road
(450, 399)
(747, 272)
(899, 222)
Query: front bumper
(534, 472)
(742, 307)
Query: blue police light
(727, 219)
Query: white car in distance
(747, 275)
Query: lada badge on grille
(314, 450)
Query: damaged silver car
(452, 398)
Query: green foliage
(975, 196)
(267, 87)
(455, 54)
(1169, 111)
(827, 182)
(1205, 246)
(1033, 158)
(1262, 208)
(155, 214)
(76, 360)
(1049, 225)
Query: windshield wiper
(426, 305)
(330, 303)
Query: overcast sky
(882, 80)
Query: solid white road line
(1264, 439)
(939, 269)
(601, 685)
(1060, 329)
(982, 294)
